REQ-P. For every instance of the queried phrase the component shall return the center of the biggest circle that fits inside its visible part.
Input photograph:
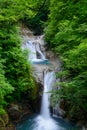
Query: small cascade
(39, 51)
(35, 53)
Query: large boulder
(18, 111)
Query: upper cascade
(36, 55)
(38, 49)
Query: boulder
(18, 111)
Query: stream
(44, 70)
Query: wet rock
(4, 119)
(84, 127)
(61, 112)
(14, 112)
(38, 73)
(18, 111)
(5, 123)
(49, 55)
(10, 127)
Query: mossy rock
(10, 127)
(4, 119)
(2, 123)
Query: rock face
(5, 123)
(18, 111)
(4, 119)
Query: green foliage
(12, 11)
(15, 71)
(5, 88)
(37, 21)
(66, 33)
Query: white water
(39, 51)
(34, 48)
(44, 121)
(49, 79)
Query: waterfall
(49, 79)
(34, 48)
(36, 55)
(45, 121)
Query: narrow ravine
(44, 70)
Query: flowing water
(44, 120)
(39, 51)
(49, 79)
(35, 53)
(32, 50)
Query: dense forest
(64, 23)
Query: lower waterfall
(44, 120)
(49, 79)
